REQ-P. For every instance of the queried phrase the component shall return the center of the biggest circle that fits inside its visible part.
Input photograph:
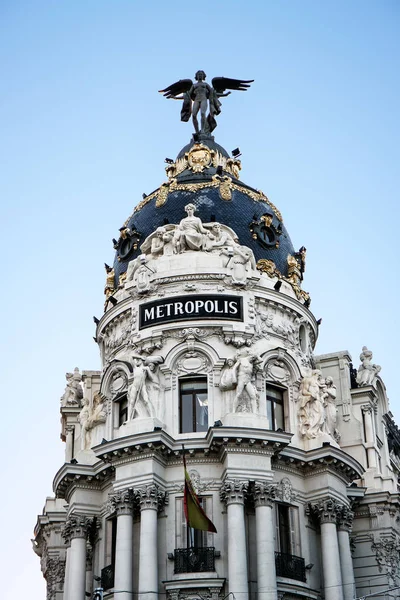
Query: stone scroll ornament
(200, 96)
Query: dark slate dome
(249, 213)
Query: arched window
(193, 404)
(275, 411)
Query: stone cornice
(217, 441)
(88, 476)
(321, 459)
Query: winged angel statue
(199, 96)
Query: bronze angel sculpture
(199, 96)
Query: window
(122, 401)
(193, 405)
(186, 537)
(287, 538)
(194, 550)
(275, 413)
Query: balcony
(107, 577)
(290, 566)
(194, 560)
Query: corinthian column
(151, 500)
(233, 494)
(327, 511)
(264, 495)
(345, 523)
(122, 502)
(75, 534)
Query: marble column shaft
(327, 511)
(233, 493)
(346, 561)
(150, 499)
(264, 495)
(75, 534)
(123, 577)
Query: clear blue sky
(84, 133)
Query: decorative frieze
(345, 519)
(387, 554)
(122, 502)
(54, 574)
(234, 491)
(264, 493)
(151, 497)
(326, 510)
(76, 526)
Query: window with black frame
(193, 404)
(122, 401)
(194, 550)
(275, 412)
(288, 560)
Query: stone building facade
(208, 341)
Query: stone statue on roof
(201, 96)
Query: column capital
(122, 502)
(234, 491)
(326, 510)
(70, 428)
(151, 497)
(76, 526)
(264, 493)
(366, 408)
(345, 519)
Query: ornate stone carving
(144, 377)
(367, 372)
(193, 362)
(76, 526)
(73, 393)
(190, 233)
(240, 262)
(387, 553)
(345, 519)
(151, 497)
(328, 392)
(276, 370)
(264, 493)
(117, 332)
(327, 510)
(311, 409)
(284, 491)
(122, 502)
(92, 414)
(54, 575)
(234, 491)
(240, 376)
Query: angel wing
(180, 87)
(220, 84)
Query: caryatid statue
(201, 96)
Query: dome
(205, 175)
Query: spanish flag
(195, 515)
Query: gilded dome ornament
(199, 157)
(200, 97)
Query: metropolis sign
(186, 308)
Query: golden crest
(267, 266)
(199, 157)
(162, 195)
